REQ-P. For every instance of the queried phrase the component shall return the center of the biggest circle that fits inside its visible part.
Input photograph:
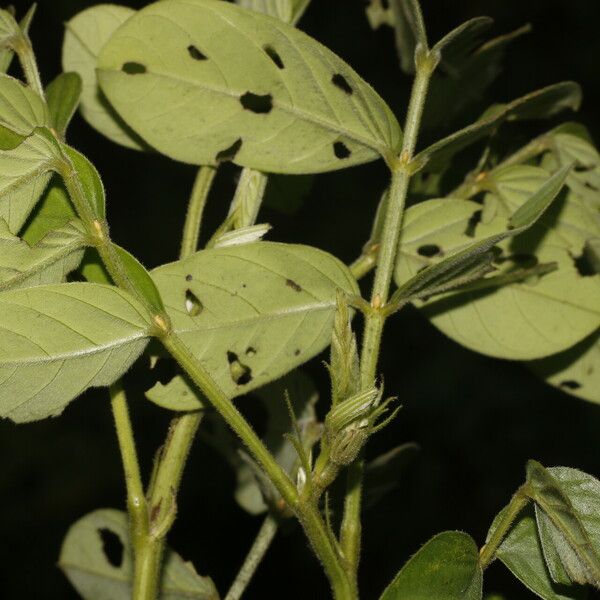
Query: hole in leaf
(385, 4)
(581, 168)
(250, 351)
(583, 264)
(588, 185)
(229, 153)
(193, 306)
(295, 286)
(261, 105)
(570, 384)
(429, 250)
(133, 68)
(474, 220)
(340, 82)
(274, 56)
(240, 373)
(341, 151)
(112, 546)
(297, 352)
(195, 53)
(189, 277)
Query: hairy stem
(24, 51)
(426, 62)
(193, 219)
(516, 505)
(259, 548)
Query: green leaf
(541, 104)
(84, 561)
(445, 568)
(48, 261)
(529, 319)
(21, 109)
(140, 279)
(85, 36)
(89, 179)
(414, 18)
(58, 340)
(252, 313)
(24, 175)
(463, 38)
(53, 211)
(314, 114)
(567, 502)
(288, 11)
(62, 96)
(575, 371)
(8, 33)
(521, 553)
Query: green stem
(147, 568)
(516, 505)
(402, 171)
(136, 499)
(24, 51)
(193, 219)
(259, 548)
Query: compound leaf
(445, 568)
(58, 340)
(252, 313)
(96, 557)
(223, 83)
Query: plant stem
(259, 548)
(426, 61)
(147, 568)
(516, 505)
(193, 219)
(24, 50)
(136, 499)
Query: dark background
(477, 419)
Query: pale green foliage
(521, 552)
(59, 340)
(84, 561)
(568, 522)
(86, 34)
(48, 261)
(252, 313)
(62, 97)
(288, 11)
(190, 97)
(445, 568)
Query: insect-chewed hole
(240, 373)
(340, 82)
(474, 220)
(341, 151)
(193, 306)
(581, 168)
(584, 264)
(250, 351)
(292, 284)
(255, 103)
(133, 68)
(112, 546)
(570, 384)
(274, 56)
(195, 53)
(429, 250)
(229, 153)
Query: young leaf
(521, 553)
(540, 104)
(9, 31)
(85, 35)
(252, 313)
(62, 96)
(96, 556)
(58, 340)
(49, 261)
(445, 568)
(575, 371)
(290, 106)
(568, 522)
(463, 39)
(288, 11)
(414, 18)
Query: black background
(477, 419)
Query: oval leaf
(85, 35)
(222, 83)
(445, 568)
(96, 557)
(521, 552)
(252, 313)
(62, 96)
(58, 340)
